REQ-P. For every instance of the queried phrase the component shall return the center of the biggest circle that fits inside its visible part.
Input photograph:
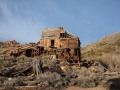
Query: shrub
(88, 82)
(47, 80)
(31, 83)
(13, 82)
(117, 42)
(112, 61)
(1, 83)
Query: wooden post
(37, 66)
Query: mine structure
(55, 42)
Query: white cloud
(22, 29)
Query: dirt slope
(109, 44)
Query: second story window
(62, 35)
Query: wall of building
(52, 33)
(69, 42)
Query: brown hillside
(113, 39)
(47, 73)
(106, 50)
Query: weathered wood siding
(73, 42)
(69, 42)
(57, 42)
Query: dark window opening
(29, 53)
(52, 42)
(75, 51)
(62, 35)
(68, 51)
(41, 50)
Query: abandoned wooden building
(56, 42)
(61, 43)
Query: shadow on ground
(113, 84)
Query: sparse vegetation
(117, 42)
(58, 75)
(13, 82)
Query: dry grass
(112, 61)
(11, 82)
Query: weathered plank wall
(69, 42)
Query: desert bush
(23, 62)
(48, 79)
(86, 78)
(55, 80)
(117, 42)
(112, 61)
(23, 65)
(12, 65)
(47, 76)
(10, 88)
(109, 61)
(23, 58)
(8, 62)
(1, 81)
(6, 69)
(89, 53)
(31, 83)
(63, 81)
(1, 44)
(105, 48)
(101, 44)
(2, 67)
(49, 62)
(1, 84)
(7, 72)
(14, 82)
(98, 53)
(88, 81)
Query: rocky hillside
(106, 50)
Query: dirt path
(78, 88)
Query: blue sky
(90, 20)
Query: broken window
(62, 35)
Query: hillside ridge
(112, 39)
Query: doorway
(29, 53)
(52, 43)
